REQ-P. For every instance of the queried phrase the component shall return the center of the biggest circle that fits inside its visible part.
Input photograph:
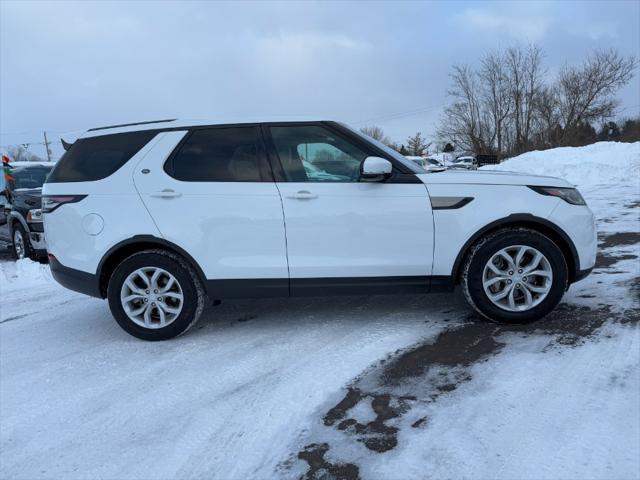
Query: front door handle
(302, 195)
(166, 193)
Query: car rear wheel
(515, 275)
(155, 295)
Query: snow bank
(23, 274)
(603, 163)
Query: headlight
(569, 195)
(34, 215)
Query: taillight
(51, 202)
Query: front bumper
(579, 223)
(38, 241)
(582, 274)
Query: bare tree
(525, 71)
(463, 122)
(547, 123)
(377, 134)
(509, 105)
(17, 153)
(496, 98)
(586, 93)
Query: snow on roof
(31, 164)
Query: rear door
(215, 197)
(342, 232)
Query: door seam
(286, 242)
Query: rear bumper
(75, 280)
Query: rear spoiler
(65, 145)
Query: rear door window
(95, 158)
(222, 154)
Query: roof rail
(132, 124)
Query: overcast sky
(72, 66)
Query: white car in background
(464, 163)
(158, 216)
(429, 164)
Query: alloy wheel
(19, 244)
(152, 297)
(517, 278)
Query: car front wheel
(155, 295)
(515, 275)
(21, 245)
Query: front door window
(310, 153)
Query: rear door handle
(166, 193)
(302, 195)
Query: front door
(343, 233)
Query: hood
(491, 177)
(27, 197)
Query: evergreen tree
(416, 145)
(609, 132)
(630, 130)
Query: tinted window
(96, 158)
(310, 153)
(29, 177)
(219, 155)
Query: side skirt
(311, 287)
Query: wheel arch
(541, 225)
(15, 217)
(116, 254)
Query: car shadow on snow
(358, 310)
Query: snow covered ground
(370, 387)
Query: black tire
(482, 252)
(18, 229)
(192, 290)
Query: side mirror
(375, 169)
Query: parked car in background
(156, 217)
(3, 202)
(429, 164)
(433, 165)
(23, 228)
(464, 163)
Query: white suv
(157, 216)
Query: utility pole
(46, 147)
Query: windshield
(414, 167)
(29, 177)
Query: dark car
(21, 223)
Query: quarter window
(311, 153)
(220, 155)
(95, 158)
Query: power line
(398, 115)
